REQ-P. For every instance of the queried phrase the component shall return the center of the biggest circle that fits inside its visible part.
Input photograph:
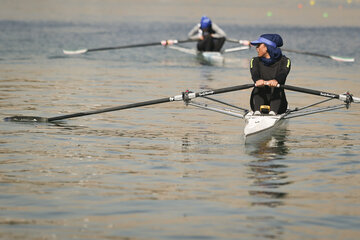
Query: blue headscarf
(272, 42)
(205, 22)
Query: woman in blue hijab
(269, 69)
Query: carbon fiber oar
(164, 43)
(343, 97)
(186, 96)
(336, 58)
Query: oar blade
(342, 59)
(76, 52)
(29, 119)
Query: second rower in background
(210, 36)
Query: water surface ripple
(169, 171)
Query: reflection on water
(268, 175)
(167, 171)
(267, 172)
(207, 73)
(269, 143)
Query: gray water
(170, 171)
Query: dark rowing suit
(274, 97)
(214, 38)
(210, 44)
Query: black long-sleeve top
(278, 71)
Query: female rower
(209, 35)
(269, 69)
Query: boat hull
(204, 57)
(259, 123)
(211, 57)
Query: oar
(347, 97)
(186, 96)
(241, 42)
(236, 49)
(194, 51)
(336, 58)
(164, 43)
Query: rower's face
(261, 49)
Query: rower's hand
(167, 42)
(200, 35)
(244, 42)
(260, 83)
(272, 83)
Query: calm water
(170, 171)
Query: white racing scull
(211, 58)
(253, 123)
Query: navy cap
(263, 40)
(273, 40)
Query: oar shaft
(132, 105)
(125, 46)
(243, 42)
(306, 53)
(311, 91)
(185, 96)
(189, 95)
(224, 90)
(347, 97)
(336, 58)
(165, 42)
